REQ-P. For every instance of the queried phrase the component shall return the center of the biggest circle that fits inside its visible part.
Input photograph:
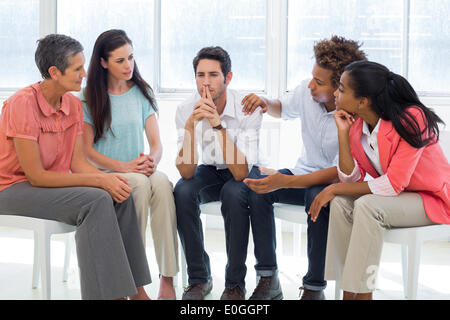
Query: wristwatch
(221, 126)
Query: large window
(85, 20)
(376, 24)
(270, 41)
(429, 50)
(19, 30)
(239, 26)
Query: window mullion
(405, 37)
(157, 47)
(276, 47)
(47, 17)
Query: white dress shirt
(319, 131)
(242, 129)
(369, 141)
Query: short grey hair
(55, 50)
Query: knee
(101, 196)
(254, 199)
(185, 191)
(99, 205)
(366, 207)
(160, 182)
(311, 193)
(141, 180)
(234, 191)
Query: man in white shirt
(212, 122)
(313, 102)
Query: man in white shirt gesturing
(313, 102)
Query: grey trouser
(111, 255)
(355, 235)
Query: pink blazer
(425, 170)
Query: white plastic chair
(43, 230)
(411, 240)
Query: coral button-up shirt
(28, 115)
(424, 170)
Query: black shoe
(197, 291)
(268, 288)
(307, 294)
(233, 294)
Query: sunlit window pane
(19, 31)
(85, 20)
(429, 52)
(377, 24)
(239, 26)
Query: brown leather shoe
(268, 288)
(197, 291)
(307, 294)
(233, 294)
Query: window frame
(276, 51)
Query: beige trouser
(355, 235)
(156, 192)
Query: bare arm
(252, 101)
(140, 164)
(327, 194)
(84, 174)
(278, 180)
(187, 158)
(344, 121)
(154, 139)
(96, 157)
(233, 157)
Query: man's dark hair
(214, 53)
(55, 50)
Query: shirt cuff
(353, 177)
(382, 186)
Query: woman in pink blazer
(386, 132)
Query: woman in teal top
(119, 106)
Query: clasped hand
(144, 164)
(205, 108)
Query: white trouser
(156, 192)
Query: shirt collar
(45, 107)
(366, 131)
(229, 109)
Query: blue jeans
(263, 228)
(209, 184)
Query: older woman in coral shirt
(385, 131)
(44, 174)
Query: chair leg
(67, 256)
(279, 235)
(297, 240)
(337, 289)
(303, 248)
(405, 269)
(36, 262)
(44, 253)
(414, 252)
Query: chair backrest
(269, 144)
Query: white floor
(16, 256)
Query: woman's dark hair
(391, 97)
(96, 91)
